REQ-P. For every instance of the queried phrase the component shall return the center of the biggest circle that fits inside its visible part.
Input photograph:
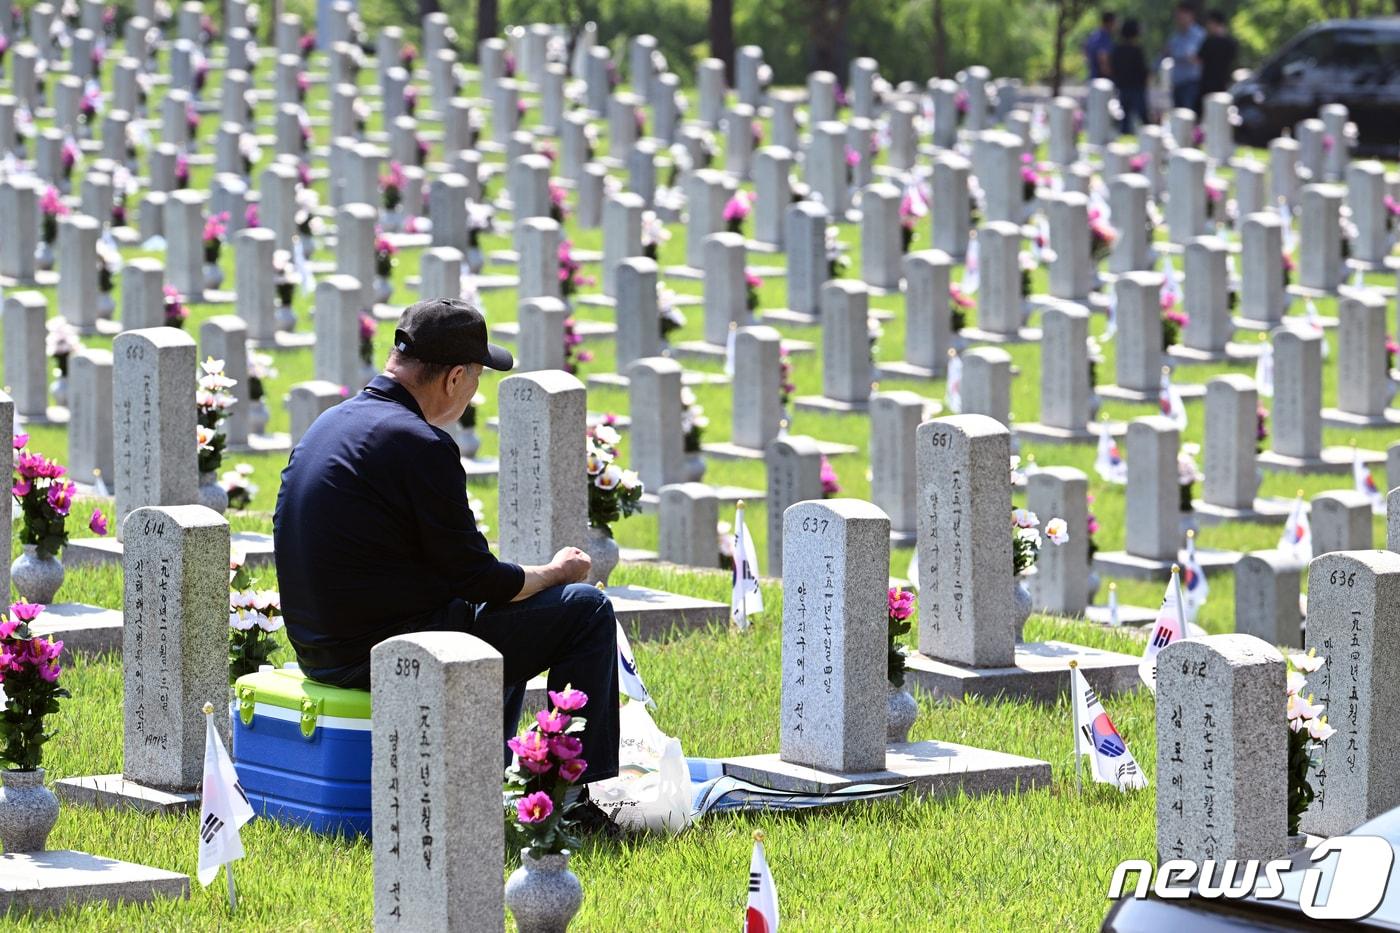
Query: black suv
(1353, 62)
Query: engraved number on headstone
(406, 667)
(523, 392)
(815, 526)
(1342, 578)
(941, 439)
(153, 527)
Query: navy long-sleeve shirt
(373, 529)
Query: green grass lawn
(1041, 860)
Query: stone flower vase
(542, 894)
(28, 811)
(903, 710)
(1293, 843)
(43, 256)
(383, 290)
(211, 494)
(694, 467)
(258, 416)
(286, 318)
(476, 259)
(468, 442)
(600, 546)
(213, 275)
(1021, 600)
(36, 578)
(58, 389)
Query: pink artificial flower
(1328, 142)
(552, 721)
(20, 441)
(25, 612)
(830, 483)
(569, 701)
(60, 498)
(565, 747)
(98, 523)
(531, 745)
(736, 208)
(250, 216)
(572, 769)
(51, 203)
(7, 628)
(21, 488)
(752, 279)
(367, 327)
(852, 157)
(901, 603)
(215, 226)
(534, 808)
(585, 356)
(536, 766)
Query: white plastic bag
(652, 789)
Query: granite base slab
(788, 317)
(88, 552)
(89, 629)
(723, 450)
(973, 335)
(646, 613)
(936, 769)
(727, 495)
(1040, 673)
(263, 443)
(1117, 393)
(53, 415)
(830, 406)
(1049, 434)
(1123, 564)
(285, 340)
(1128, 616)
(715, 352)
(114, 790)
(587, 330)
(62, 878)
(1332, 460)
(1264, 512)
(1335, 417)
(902, 370)
(688, 378)
(1232, 353)
(481, 469)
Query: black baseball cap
(448, 331)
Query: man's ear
(455, 376)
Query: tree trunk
(488, 22)
(722, 36)
(1058, 72)
(940, 40)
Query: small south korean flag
(628, 676)
(224, 808)
(762, 913)
(745, 599)
(1169, 627)
(1110, 762)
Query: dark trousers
(569, 631)
(1133, 100)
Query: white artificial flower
(1296, 682)
(1307, 663)
(630, 480)
(1057, 530)
(607, 435)
(609, 478)
(1024, 518)
(1319, 730)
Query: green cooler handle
(247, 696)
(310, 713)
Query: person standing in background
(1184, 49)
(1128, 66)
(1099, 46)
(1218, 53)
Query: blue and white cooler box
(302, 750)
